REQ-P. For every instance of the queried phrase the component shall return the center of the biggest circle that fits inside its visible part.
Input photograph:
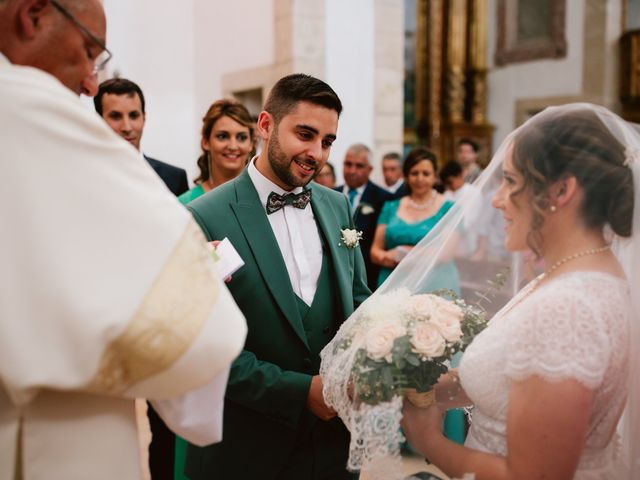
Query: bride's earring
(553, 208)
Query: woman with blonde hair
(227, 143)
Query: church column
(478, 61)
(430, 50)
(456, 60)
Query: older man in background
(392, 172)
(107, 290)
(366, 199)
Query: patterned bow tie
(299, 200)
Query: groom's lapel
(257, 230)
(327, 218)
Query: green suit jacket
(269, 381)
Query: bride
(550, 375)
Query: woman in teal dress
(227, 144)
(402, 224)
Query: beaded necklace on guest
(425, 205)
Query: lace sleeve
(562, 333)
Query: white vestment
(107, 293)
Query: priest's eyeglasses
(104, 56)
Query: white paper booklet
(228, 260)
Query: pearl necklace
(584, 253)
(425, 205)
(549, 271)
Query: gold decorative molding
(456, 60)
(451, 76)
(436, 23)
(423, 58)
(630, 75)
(478, 35)
(478, 61)
(479, 103)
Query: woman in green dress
(402, 224)
(227, 144)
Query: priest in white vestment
(107, 289)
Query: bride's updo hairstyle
(575, 143)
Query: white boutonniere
(351, 237)
(366, 209)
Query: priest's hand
(315, 400)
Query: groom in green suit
(300, 281)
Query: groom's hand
(315, 400)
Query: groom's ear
(265, 124)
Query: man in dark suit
(366, 199)
(121, 103)
(299, 282)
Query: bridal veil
(471, 236)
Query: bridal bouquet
(396, 345)
(405, 343)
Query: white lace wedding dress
(576, 326)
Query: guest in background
(327, 176)
(366, 199)
(227, 143)
(392, 172)
(120, 102)
(404, 221)
(452, 178)
(468, 158)
(470, 243)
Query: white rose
(449, 327)
(427, 340)
(447, 316)
(422, 307)
(379, 340)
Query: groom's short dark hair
(298, 87)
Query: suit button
(307, 362)
(326, 329)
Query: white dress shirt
(356, 200)
(394, 188)
(297, 235)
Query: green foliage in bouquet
(378, 380)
